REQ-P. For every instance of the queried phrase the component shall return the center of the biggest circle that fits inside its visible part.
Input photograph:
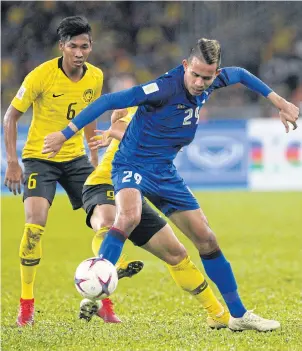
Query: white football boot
(250, 321)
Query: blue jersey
(168, 118)
(165, 123)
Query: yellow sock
(28, 275)
(30, 254)
(97, 242)
(98, 239)
(189, 278)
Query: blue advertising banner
(218, 156)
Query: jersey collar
(60, 66)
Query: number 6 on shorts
(32, 182)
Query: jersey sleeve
(233, 75)
(30, 89)
(157, 92)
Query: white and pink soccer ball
(96, 278)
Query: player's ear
(185, 64)
(61, 45)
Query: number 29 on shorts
(129, 176)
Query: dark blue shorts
(161, 184)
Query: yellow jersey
(102, 174)
(56, 101)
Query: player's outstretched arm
(14, 174)
(153, 92)
(288, 112)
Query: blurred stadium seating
(142, 40)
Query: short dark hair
(207, 50)
(72, 26)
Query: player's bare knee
(175, 256)
(207, 242)
(128, 221)
(101, 218)
(35, 217)
(36, 210)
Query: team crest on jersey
(88, 95)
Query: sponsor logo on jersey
(88, 95)
(180, 106)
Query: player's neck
(73, 73)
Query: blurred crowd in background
(137, 41)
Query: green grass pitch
(260, 233)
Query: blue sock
(112, 245)
(220, 272)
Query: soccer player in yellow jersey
(152, 234)
(58, 90)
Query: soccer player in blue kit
(166, 121)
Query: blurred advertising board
(275, 156)
(218, 156)
(255, 154)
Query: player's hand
(14, 177)
(100, 141)
(53, 143)
(289, 113)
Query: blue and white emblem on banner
(218, 156)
